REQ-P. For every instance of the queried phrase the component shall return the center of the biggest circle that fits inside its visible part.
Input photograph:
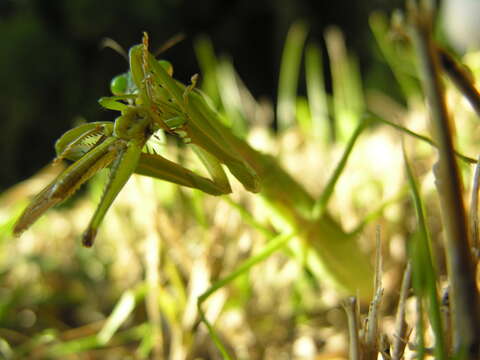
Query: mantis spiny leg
(66, 184)
(78, 141)
(122, 168)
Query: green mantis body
(146, 107)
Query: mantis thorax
(133, 124)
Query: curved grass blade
(424, 274)
(322, 202)
(423, 138)
(289, 70)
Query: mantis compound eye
(167, 66)
(119, 84)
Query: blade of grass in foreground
(271, 247)
(424, 274)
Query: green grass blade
(208, 64)
(120, 313)
(6, 351)
(424, 274)
(379, 210)
(249, 219)
(317, 97)
(423, 138)
(289, 73)
(230, 95)
(420, 323)
(399, 62)
(76, 346)
(322, 202)
(465, 301)
(147, 344)
(348, 101)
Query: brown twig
(351, 309)
(464, 296)
(400, 340)
(371, 342)
(462, 79)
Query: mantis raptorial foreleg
(149, 100)
(160, 168)
(78, 141)
(66, 183)
(122, 167)
(213, 167)
(95, 146)
(71, 146)
(199, 131)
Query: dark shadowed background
(52, 68)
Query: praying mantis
(149, 100)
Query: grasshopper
(149, 100)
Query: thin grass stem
(424, 138)
(424, 273)
(327, 193)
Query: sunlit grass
(169, 257)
